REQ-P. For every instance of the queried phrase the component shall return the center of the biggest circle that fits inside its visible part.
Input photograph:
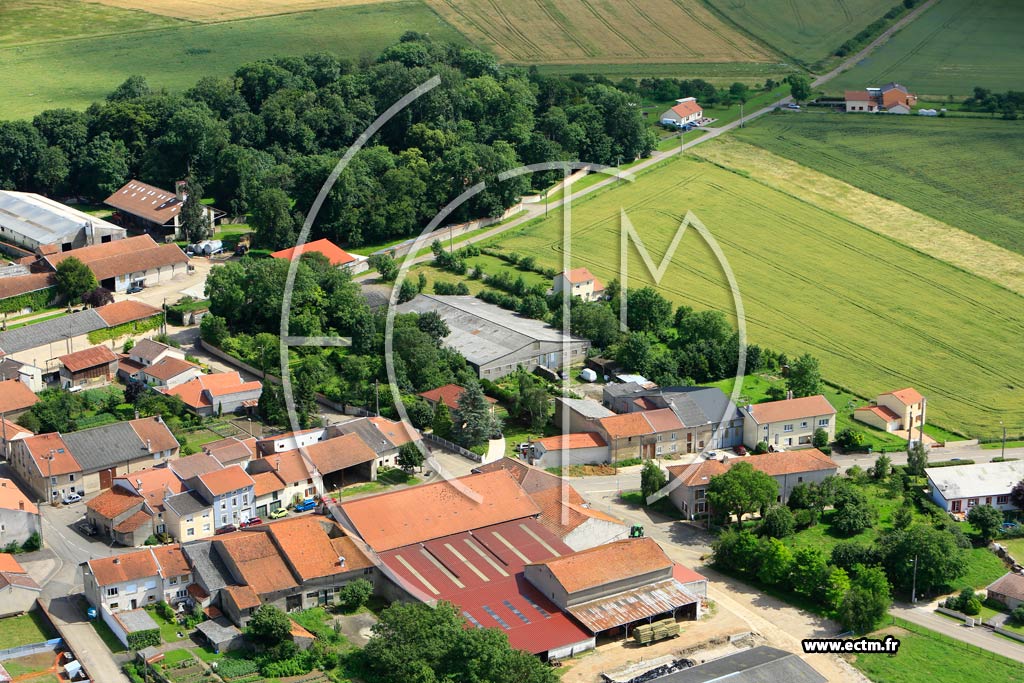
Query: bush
(778, 522)
(1017, 615)
(354, 594)
(32, 543)
(760, 448)
(165, 611)
(820, 438)
(152, 540)
(144, 639)
(850, 439)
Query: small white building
(580, 282)
(958, 489)
(586, 448)
(39, 225)
(686, 111)
(789, 423)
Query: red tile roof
(154, 431)
(88, 358)
(881, 411)
(15, 395)
(133, 522)
(449, 394)
(231, 449)
(312, 546)
(243, 597)
(266, 482)
(687, 108)
(169, 368)
(626, 425)
(10, 430)
(397, 433)
(772, 464)
(421, 513)
(857, 96)
(290, 466)
(113, 502)
(604, 564)
(341, 452)
(171, 560)
(258, 560)
(571, 441)
(335, 254)
(578, 276)
(121, 257)
(146, 201)
(194, 392)
(23, 284)
(132, 566)
(226, 480)
(42, 446)
(127, 311)
(791, 409)
(907, 397)
(9, 564)
(663, 420)
(12, 498)
(155, 484)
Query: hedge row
(34, 300)
(135, 327)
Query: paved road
(977, 636)
(90, 649)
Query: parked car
(134, 289)
(252, 521)
(70, 498)
(711, 455)
(225, 530)
(795, 107)
(740, 450)
(279, 513)
(305, 505)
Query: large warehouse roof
(482, 332)
(43, 220)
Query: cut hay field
(952, 47)
(964, 172)
(600, 32)
(808, 30)
(75, 73)
(877, 313)
(24, 22)
(226, 10)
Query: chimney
(341, 561)
(277, 465)
(179, 190)
(138, 485)
(117, 560)
(149, 445)
(21, 505)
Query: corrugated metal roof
(49, 331)
(45, 221)
(629, 606)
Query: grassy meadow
(227, 10)
(718, 73)
(960, 171)
(25, 22)
(876, 313)
(75, 73)
(809, 30)
(952, 47)
(591, 32)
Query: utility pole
(1002, 452)
(913, 587)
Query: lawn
(25, 630)
(25, 22)
(175, 657)
(385, 480)
(810, 281)
(809, 30)
(490, 264)
(718, 73)
(1015, 546)
(570, 32)
(31, 667)
(952, 47)
(107, 636)
(959, 171)
(168, 629)
(75, 73)
(924, 653)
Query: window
(1002, 500)
(673, 436)
(173, 580)
(181, 593)
(787, 428)
(223, 505)
(823, 422)
(191, 531)
(674, 447)
(112, 591)
(245, 498)
(659, 450)
(188, 520)
(701, 507)
(368, 570)
(71, 477)
(53, 481)
(799, 480)
(699, 495)
(206, 527)
(971, 502)
(803, 425)
(114, 605)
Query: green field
(962, 172)
(878, 315)
(721, 74)
(75, 73)
(952, 47)
(809, 30)
(925, 653)
(24, 22)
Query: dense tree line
(264, 140)
(1009, 104)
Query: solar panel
(471, 619)
(512, 608)
(498, 619)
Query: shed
(222, 635)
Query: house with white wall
(789, 423)
(958, 489)
(134, 580)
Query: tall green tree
(269, 626)
(652, 478)
(742, 490)
(917, 460)
(74, 279)
(867, 601)
(410, 457)
(776, 562)
(987, 520)
(647, 310)
(195, 223)
(272, 218)
(530, 405)
(102, 168)
(474, 423)
(809, 573)
(442, 424)
(940, 561)
(804, 377)
(799, 87)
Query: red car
(225, 530)
(252, 521)
(740, 450)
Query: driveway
(81, 637)
(977, 636)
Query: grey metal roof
(757, 665)
(482, 332)
(58, 329)
(43, 220)
(136, 620)
(218, 630)
(206, 565)
(622, 388)
(586, 407)
(98, 448)
(368, 432)
(712, 401)
(187, 503)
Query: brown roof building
(123, 263)
(95, 366)
(142, 205)
(15, 398)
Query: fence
(967, 619)
(449, 446)
(943, 638)
(31, 649)
(1009, 634)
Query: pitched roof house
(789, 423)
(891, 97)
(580, 282)
(216, 393)
(449, 395)
(338, 257)
(123, 263)
(18, 590)
(958, 489)
(95, 366)
(136, 579)
(19, 516)
(685, 111)
(150, 207)
(892, 411)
